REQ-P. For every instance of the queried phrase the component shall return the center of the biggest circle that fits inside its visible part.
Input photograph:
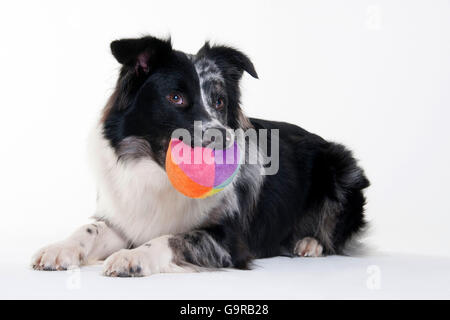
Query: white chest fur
(137, 196)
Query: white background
(374, 75)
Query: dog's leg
(155, 256)
(89, 243)
(186, 252)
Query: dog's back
(317, 193)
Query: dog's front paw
(58, 256)
(153, 257)
(308, 247)
(127, 263)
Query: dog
(312, 206)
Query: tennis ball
(200, 172)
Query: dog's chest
(137, 197)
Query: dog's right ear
(141, 53)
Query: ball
(200, 172)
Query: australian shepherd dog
(308, 204)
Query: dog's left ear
(141, 53)
(232, 61)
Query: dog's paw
(126, 263)
(58, 256)
(308, 247)
(153, 257)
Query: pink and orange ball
(200, 179)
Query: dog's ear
(142, 53)
(232, 61)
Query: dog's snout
(217, 137)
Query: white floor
(376, 277)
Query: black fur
(317, 192)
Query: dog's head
(161, 89)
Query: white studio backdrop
(374, 75)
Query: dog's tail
(338, 184)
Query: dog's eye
(176, 99)
(220, 103)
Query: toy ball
(200, 172)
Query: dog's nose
(217, 137)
